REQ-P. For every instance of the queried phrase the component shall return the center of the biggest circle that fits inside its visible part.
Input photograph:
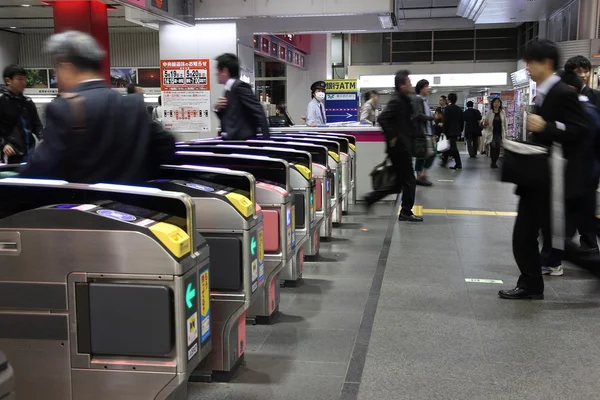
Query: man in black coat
(453, 128)
(472, 118)
(560, 119)
(583, 67)
(94, 134)
(240, 112)
(399, 131)
(20, 123)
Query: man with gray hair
(93, 133)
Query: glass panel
(271, 91)
(411, 46)
(458, 34)
(367, 48)
(455, 44)
(419, 35)
(411, 57)
(453, 56)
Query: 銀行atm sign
(341, 100)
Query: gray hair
(77, 48)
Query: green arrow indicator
(253, 246)
(190, 293)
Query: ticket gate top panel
(344, 142)
(300, 161)
(317, 152)
(216, 207)
(133, 217)
(264, 169)
(241, 182)
(351, 138)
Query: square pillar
(88, 16)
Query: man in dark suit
(453, 127)
(399, 131)
(560, 119)
(472, 118)
(92, 133)
(240, 112)
(583, 67)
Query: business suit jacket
(421, 118)
(472, 118)
(453, 121)
(244, 115)
(562, 105)
(396, 122)
(593, 95)
(99, 136)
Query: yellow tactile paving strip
(420, 211)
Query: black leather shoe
(456, 167)
(409, 218)
(520, 294)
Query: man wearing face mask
(315, 113)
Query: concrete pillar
(588, 20)
(208, 40)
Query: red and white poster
(185, 87)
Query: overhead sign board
(180, 12)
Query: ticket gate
(345, 161)
(268, 171)
(228, 220)
(351, 152)
(7, 382)
(305, 222)
(335, 164)
(71, 255)
(320, 170)
(272, 194)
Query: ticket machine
(228, 219)
(7, 382)
(268, 171)
(276, 203)
(345, 161)
(71, 256)
(320, 170)
(351, 152)
(305, 222)
(335, 164)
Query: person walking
(94, 134)
(424, 122)
(560, 119)
(241, 114)
(495, 130)
(399, 131)
(453, 128)
(368, 111)
(20, 125)
(472, 118)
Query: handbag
(383, 175)
(443, 144)
(526, 165)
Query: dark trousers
(495, 148)
(472, 144)
(452, 152)
(588, 222)
(573, 217)
(405, 182)
(533, 216)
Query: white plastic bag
(443, 144)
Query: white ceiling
(498, 11)
(412, 9)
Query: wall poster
(185, 87)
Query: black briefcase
(383, 176)
(526, 164)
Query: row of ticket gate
(111, 291)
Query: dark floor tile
(311, 344)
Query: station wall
(9, 49)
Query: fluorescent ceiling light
(218, 18)
(386, 21)
(25, 5)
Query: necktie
(322, 113)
